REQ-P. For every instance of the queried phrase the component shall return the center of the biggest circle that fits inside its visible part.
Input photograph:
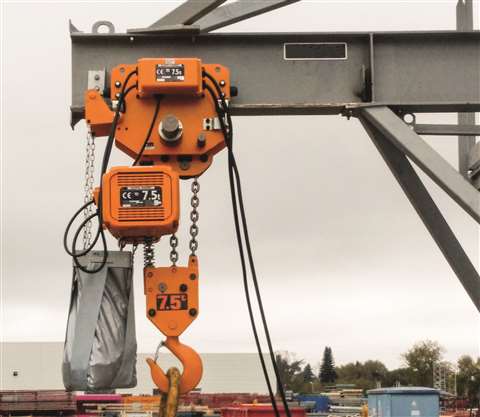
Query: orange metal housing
(172, 296)
(140, 202)
(186, 100)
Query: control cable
(235, 187)
(149, 133)
(73, 252)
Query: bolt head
(184, 165)
(193, 277)
(192, 312)
(183, 287)
(170, 126)
(201, 140)
(151, 312)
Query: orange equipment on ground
(160, 115)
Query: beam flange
(238, 11)
(437, 168)
(428, 211)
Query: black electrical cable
(233, 168)
(243, 262)
(98, 213)
(149, 133)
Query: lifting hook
(191, 362)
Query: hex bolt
(192, 312)
(118, 84)
(222, 83)
(97, 77)
(201, 140)
(162, 287)
(183, 288)
(151, 312)
(193, 277)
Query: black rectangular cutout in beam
(315, 51)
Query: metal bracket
(447, 130)
(97, 80)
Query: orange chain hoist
(160, 115)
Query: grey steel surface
(407, 70)
(426, 208)
(439, 170)
(447, 130)
(238, 11)
(187, 13)
(466, 143)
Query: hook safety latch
(191, 362)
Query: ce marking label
(140, 196)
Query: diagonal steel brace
(238, 11)
(182, 17)
(437, 168)
(428, 211)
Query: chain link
(148, 253)
(194, 216)
(88, 186)
(173, 251)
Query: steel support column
(437, 168)
(428, 211)
(465, 143)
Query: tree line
(417, 370)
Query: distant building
(35, 365)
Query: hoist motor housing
(140, 202)
(186, 132)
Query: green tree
(400, 376)
(363, 375)
(328, 374)
(290, 370)
(468, 378)
(420, 360)
(307, 374)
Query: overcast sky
(353, 268)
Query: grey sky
(353, 267)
